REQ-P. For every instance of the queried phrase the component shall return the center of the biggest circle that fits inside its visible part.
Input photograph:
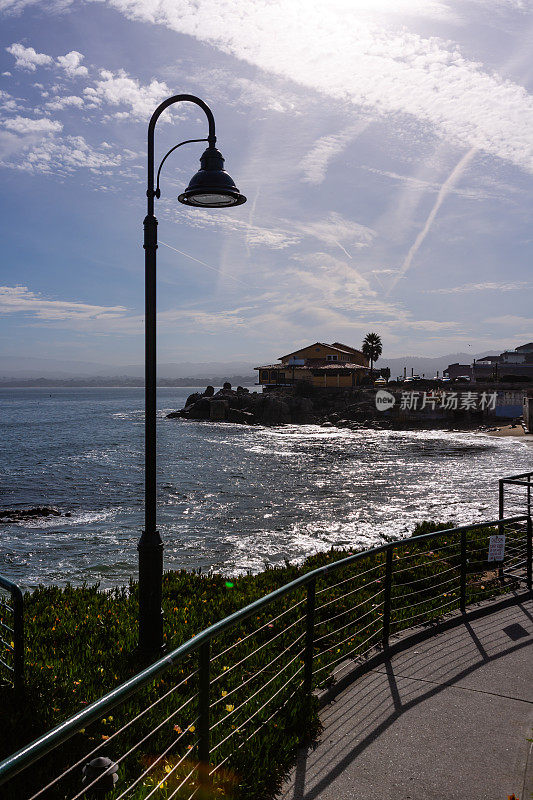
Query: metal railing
(198, 717)
(514, 496)
(11, 633)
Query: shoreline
(510, 432)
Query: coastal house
(328, 366)
(510, 363)
(513, 363)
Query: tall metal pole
(150, 546)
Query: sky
(385, 148)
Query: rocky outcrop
(247, 408)
(239, 406)
(22, 514)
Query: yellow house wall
(316, 351)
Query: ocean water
(230, 498)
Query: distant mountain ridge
(39, 369)
(429, 366)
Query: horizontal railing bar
(5, 583)
(352, 622)
(513, 477)
(427, 552)
(425, 578)
(257, 649)
(3, 624)
(262, 725)
(420, 591)
(349, 610)
(347, 639)
(255, 674)
(242, 724)
(351, 578)
(345, 655)
(515, 577)
(427, 613)
(118, 732)
(62, 732)
(253, 633)
(348, 594)
(258, 691)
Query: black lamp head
(212, 187)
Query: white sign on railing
(496, 547)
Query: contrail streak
(202, 262)
(446, 187)
(342, 248)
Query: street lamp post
(210, 187)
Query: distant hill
(32, 368)
(421, 365)
(54, 372)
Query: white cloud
(26, 126)
(445, 189)
(274, 237)
(71, 64)
(8, 103)
(65, 102)
(381, 68)
(119, 89)
(522, 323)
(316, 162)
(497, 286)
(19, 299)
(67, 156)
(428, 186)
(27, 58)
(337, 231)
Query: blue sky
(385, 147)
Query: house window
(281, 376)
(264, 376)
(273, 376)
(332, 358)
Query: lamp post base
(150, 550)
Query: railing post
(529, 556)
(204, 658)
(309, 636)
(387, 597)
(463, 573)
(501, 526)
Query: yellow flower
(229, 708)
(192, 728)
(167, 768)
(224, 693)
(177, 728)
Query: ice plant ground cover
(80, 644)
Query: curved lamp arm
(177, 98)
(187, 141)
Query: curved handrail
(44, 744)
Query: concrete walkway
(448, 718)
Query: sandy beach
(510, 430)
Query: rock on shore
(276, 408)
(22, 514)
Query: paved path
(449, 718)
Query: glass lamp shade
(212, 187)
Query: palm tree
(372, 348)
